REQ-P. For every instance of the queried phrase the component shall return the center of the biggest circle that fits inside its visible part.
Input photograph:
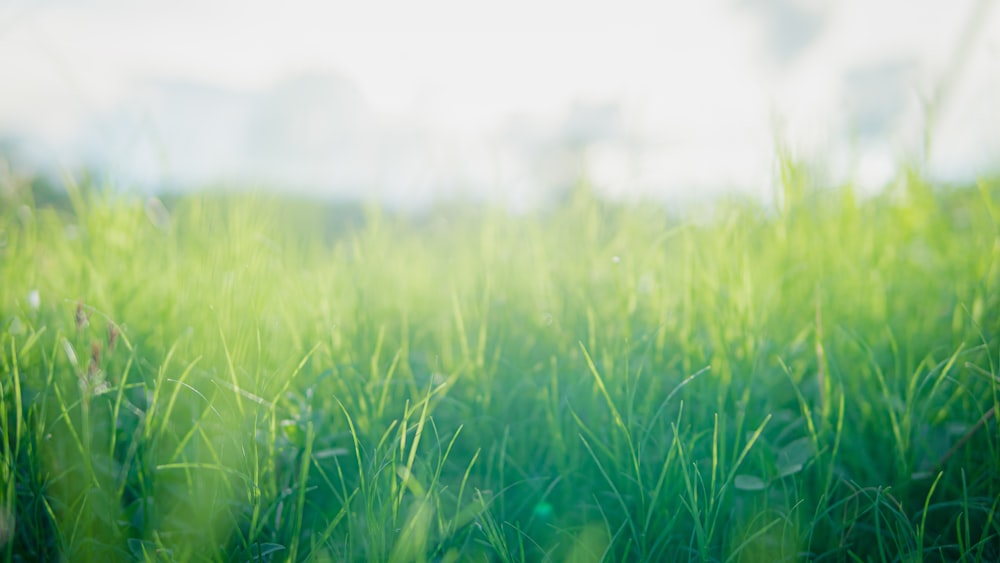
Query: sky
(514, 100)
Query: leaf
(786, 470)
(261, 552)
(793, 457)
(749, 483)
(136, 547)
(134, 513)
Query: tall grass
(237, 379)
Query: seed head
(112, 336)
(82, 319)
(95, 359)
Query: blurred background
(509, 101)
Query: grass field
(255, 379)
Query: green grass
(247, 380)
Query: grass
(242, 379)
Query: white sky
(699, 86)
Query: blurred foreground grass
(243, 379)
